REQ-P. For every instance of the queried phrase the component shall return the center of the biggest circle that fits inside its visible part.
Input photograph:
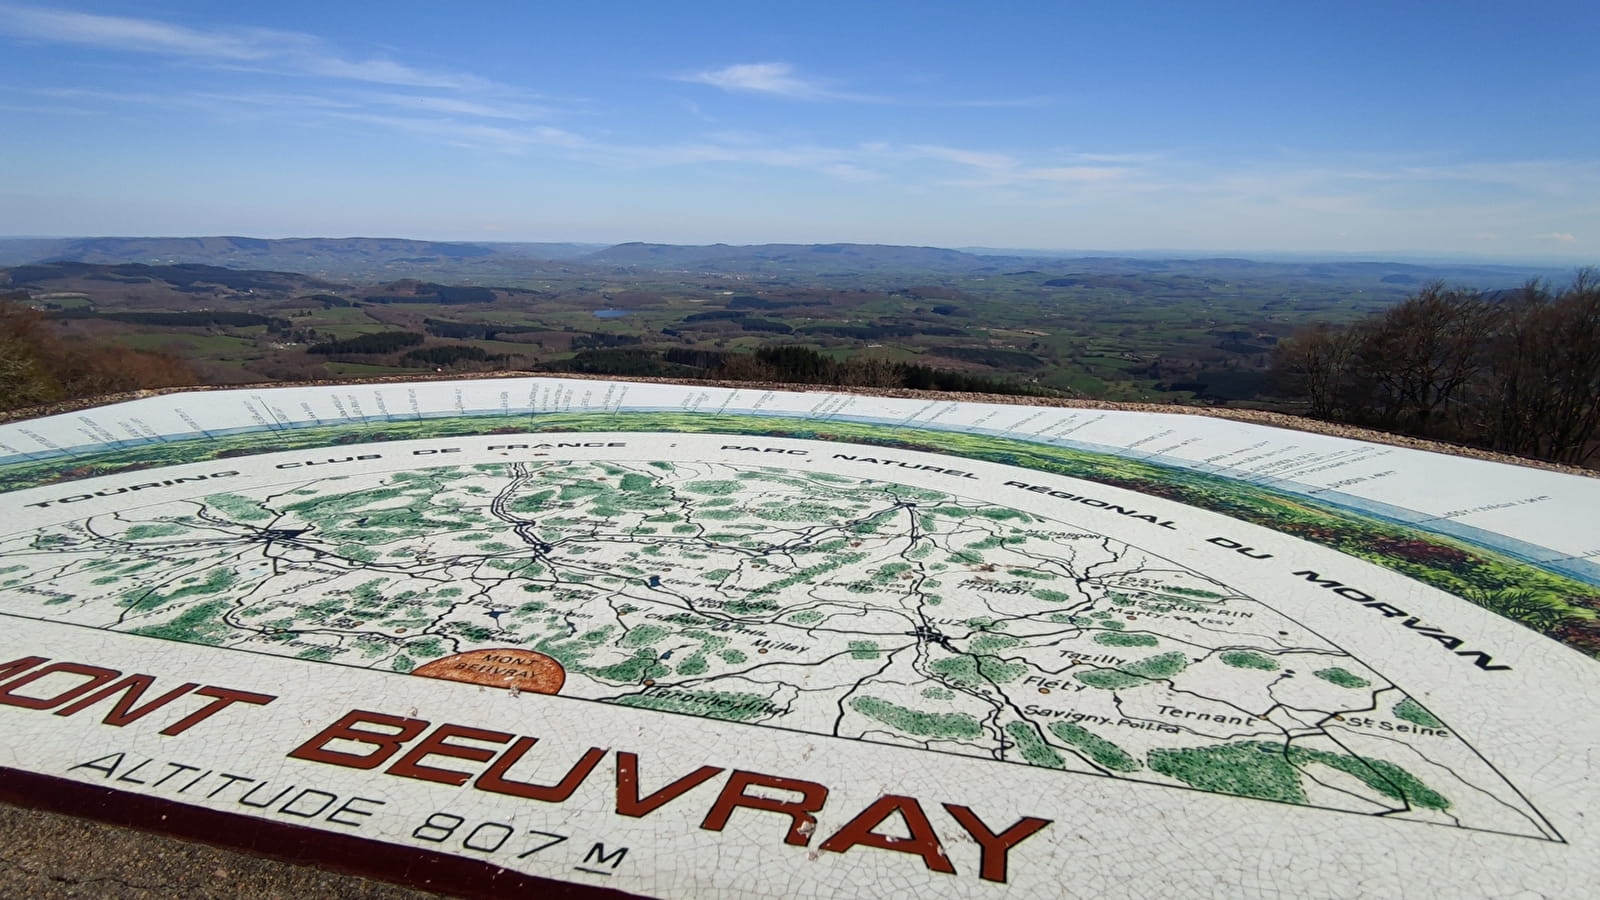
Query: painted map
(779, 597)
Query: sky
(1451, 129)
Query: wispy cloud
(854, 164)
(1558, 237)
(989, 162)
(275, 100)
(1399, 182)
(1129, 158)
(991, 169)
(286, 52)
(51, 110)
(820, 159)
(98, 95)
(781, 79)
(473, 135)
(776, 79)
(482, 109)
(849, 172)
(1073, 174)
(217, 104)
(122, 33)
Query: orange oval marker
(500, 667)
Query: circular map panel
(857, 608)
(686, 642)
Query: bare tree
(1519, 372)
(1319, 362)
(1572, 374)
(1423, 353)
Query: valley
(1126, 329)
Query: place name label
(482, 761)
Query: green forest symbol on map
(858, 608)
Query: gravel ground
(51, 857)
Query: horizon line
(1372, 255)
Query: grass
(362, 369)
(212, 346)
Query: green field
(1112, 329)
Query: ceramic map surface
(947, 666)
(862, 609)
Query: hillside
(356, 256)
(187, 278)
(522, 264)
(797, 258)
(1177, 330)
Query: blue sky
(1351, 127)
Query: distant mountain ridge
(510, 263)
(185, 278)
(315, 256)
(221, 249)
(722, 257)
